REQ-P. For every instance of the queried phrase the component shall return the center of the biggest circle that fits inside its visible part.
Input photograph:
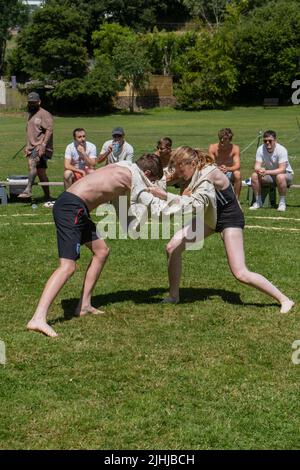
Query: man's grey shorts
(269, 179)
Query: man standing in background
(39, 147)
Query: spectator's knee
(68, 174)
(281, 178)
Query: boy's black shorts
(73, 225)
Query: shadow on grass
(154, 296)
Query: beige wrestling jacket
(203, 197)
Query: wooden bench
(270, 102)
(20, 183)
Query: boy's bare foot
(41, 327)
(87, 311)
(286, 306)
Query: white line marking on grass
(37, 223)
(271, 218)
(273, 228)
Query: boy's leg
(100, 254)
(54, 284)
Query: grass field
(214, 372)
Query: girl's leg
(234, 246)
(174, 249)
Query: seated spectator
(227, 157)
(116, 149)
(80, 158)
(164, 152)
(271, 168)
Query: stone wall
(158, 92)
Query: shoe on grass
(281, 207)
(255, 206)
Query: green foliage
(12, 13)
(108, 37)
(166, 51)
(132, 65)
(210, 77)
(52, 46)
(91, 93)
(126, 52)
(267, 50)
(211, 11)
(139, 15)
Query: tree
(108, 37)
(12, 13)
(94, 92)
(51, 47)
(209, 79)
(211, 11)
(139, 15)
(267, 51)
(132, 66)
(166, 51)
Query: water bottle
(115, 147)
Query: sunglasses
(269, 141)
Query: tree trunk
(131, 99)
(2, 54)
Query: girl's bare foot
(286, 306)
(87, 311)
(41, 327)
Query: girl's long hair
(186, 154)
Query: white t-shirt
(76, 160)
(125, 152)
(271, 161)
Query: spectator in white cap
(116, 149)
